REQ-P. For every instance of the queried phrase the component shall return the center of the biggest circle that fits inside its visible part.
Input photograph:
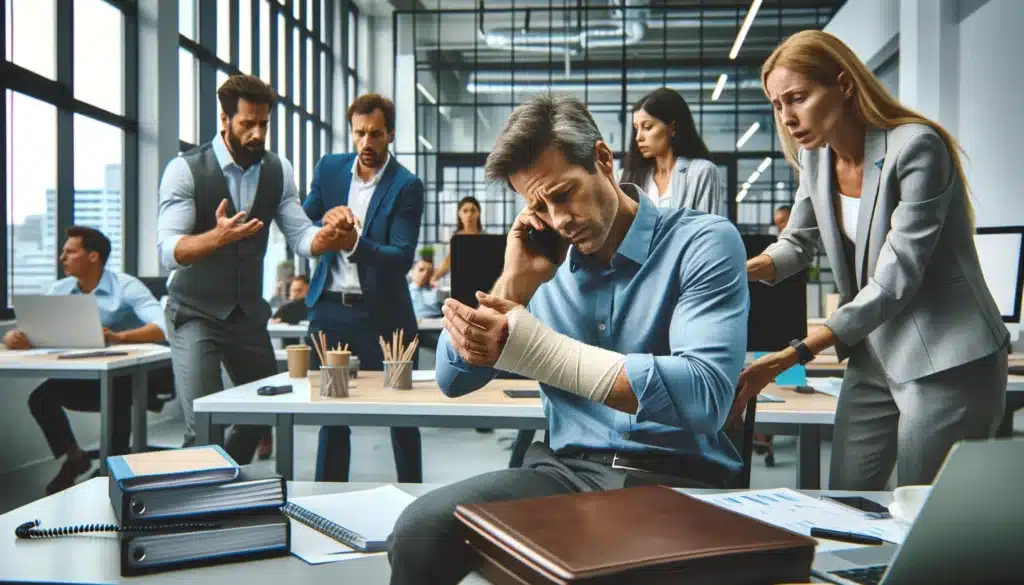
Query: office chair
(741, 432)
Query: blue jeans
(354, 325)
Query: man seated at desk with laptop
(130, 314)
(637, 340)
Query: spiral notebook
(354, 522)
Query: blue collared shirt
(675, 301)
(425, 301)
(178, 206)
(125, 303)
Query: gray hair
(542, 122)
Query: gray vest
(232, 276)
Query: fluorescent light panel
(749, 20)
(764, 164)
(426, 94)
(742, 194)
(746, 135)
(426, 143)
(719, 87)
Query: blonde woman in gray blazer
(883, 190)
(668, 159)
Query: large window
(288, 44)
(68, 120)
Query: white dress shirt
(849, 212)
(344, 275)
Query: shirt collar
(376, 176)
(224, 158)
(636, 246)
(104, 287)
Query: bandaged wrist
(537, 352)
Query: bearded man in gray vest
(216, 204)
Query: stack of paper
(830, 386)
(794, 511)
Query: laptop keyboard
(865, 575)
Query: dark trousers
(356, 327)
(428, 547)
(48, 401)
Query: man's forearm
(192, 249)
(148, 333)
(519, 290)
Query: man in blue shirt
(637, 339)
(129, 314)
(425, 301)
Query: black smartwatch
(803, 353)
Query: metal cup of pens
(398, 360)
(398, 375)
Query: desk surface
(32, 360)
(367, 395)
(94, 559)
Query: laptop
(968, 531)
(60, 321)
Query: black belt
(692, 468)
(347, 299)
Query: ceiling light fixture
(426, 143)
(764, 164)
(742, 194)
(426, 94)
(749, 20)
(719, 87)
(746, 135)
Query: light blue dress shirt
(125, 303)
(178, 207)
(675, 301)
(425, 301)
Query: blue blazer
(387, 246)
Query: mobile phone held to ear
(546, 242)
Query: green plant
(427, 253)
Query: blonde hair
(821, 57)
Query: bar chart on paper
(794, 511)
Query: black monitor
(778, 314)
(1001, 252)
(476, 263)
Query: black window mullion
(130, 155)
(5, 312)
(233, 26)
(65, 191)
(208, 107)
(254, 13)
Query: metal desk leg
(286, 446)
(140, 402)
(106, 419)
(208, 433)
(809, 457)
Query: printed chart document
(423, 375)
(794, 511)
(371, 513)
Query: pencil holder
(398, 375)
(334, 382)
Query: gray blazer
(915, 291)
(696, 184)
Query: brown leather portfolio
(650, 535)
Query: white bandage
(535, 351)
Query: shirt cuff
(355, 246)
(167, 246)
(649, 388)
(304, 247)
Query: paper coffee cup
(907, 502)
(298, 360)
(337, 359)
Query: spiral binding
(29, 530)
(325, 526)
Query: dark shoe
(67, 475)
(266, 448)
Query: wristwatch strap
(803, 353)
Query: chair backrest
(741, 433)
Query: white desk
(287, 331)
(140, 359)
(95, 559)
(804, 415)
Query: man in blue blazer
(359, 294)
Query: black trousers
(356, 327)
(427, 546)
(48, 402)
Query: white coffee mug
(907, 502)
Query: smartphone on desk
(522, 393)
(548, 243)
(273, 390)
(870, 507)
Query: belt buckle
(617, 465)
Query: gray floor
(448, 455)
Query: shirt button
(601, 327)
(625, 436)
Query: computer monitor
(778, 314)
(476, 263)
(1001, 251)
